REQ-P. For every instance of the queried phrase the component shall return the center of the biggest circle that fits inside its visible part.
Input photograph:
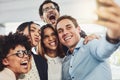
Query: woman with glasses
(52, 52)
(15, 56)
(39, 64)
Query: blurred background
(14, 12)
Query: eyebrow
(68, 25)
(34, 28)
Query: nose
(37, 33)
(50, 10)
(50, 38)
(65, 31)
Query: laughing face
(16, 62)
(68, 33)
(50, 14)
(50, 40)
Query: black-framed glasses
(48, 8)
(21, 53)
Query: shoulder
(7, 74)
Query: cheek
(60, 37)
(45, 41)
(14, 62)
(40, 38)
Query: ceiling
(27, 10)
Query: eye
(53, 34)
(60, 31)
(32, 30)
(46, 36)
(19, 54)
(68, 27)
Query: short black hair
(46, 2)
(10, 41)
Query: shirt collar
(79, 44)
(34, 50)
(56, 59)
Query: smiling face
(16, 64)
(34, 34)
(50, 13)
(50, 39)
(68, 33)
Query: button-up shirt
(89, 62)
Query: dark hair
(60, 51)
(24, 25)
(46, 2)
(10, 41)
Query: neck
(52, 54)
(17, 76)
(71, 50)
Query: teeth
(52, 14)
(24, 62)
(52, 43)
(67, 38)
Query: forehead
(63, 23)
(48, 30)
(17, 48)
(35, 26)
(48, 5)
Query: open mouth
(24, 63)
(52, 17)
(52, 43)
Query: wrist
(112, 40)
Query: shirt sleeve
(101, 49)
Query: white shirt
(54, 68)
(7, 74)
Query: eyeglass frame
(48, 8)
(21, 53)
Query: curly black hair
(10, 41)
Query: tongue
(52, 21)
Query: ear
(5, 61)
(42, 18)
(79, 29)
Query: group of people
(59, 50)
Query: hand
(90, 37)
(109, 16)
